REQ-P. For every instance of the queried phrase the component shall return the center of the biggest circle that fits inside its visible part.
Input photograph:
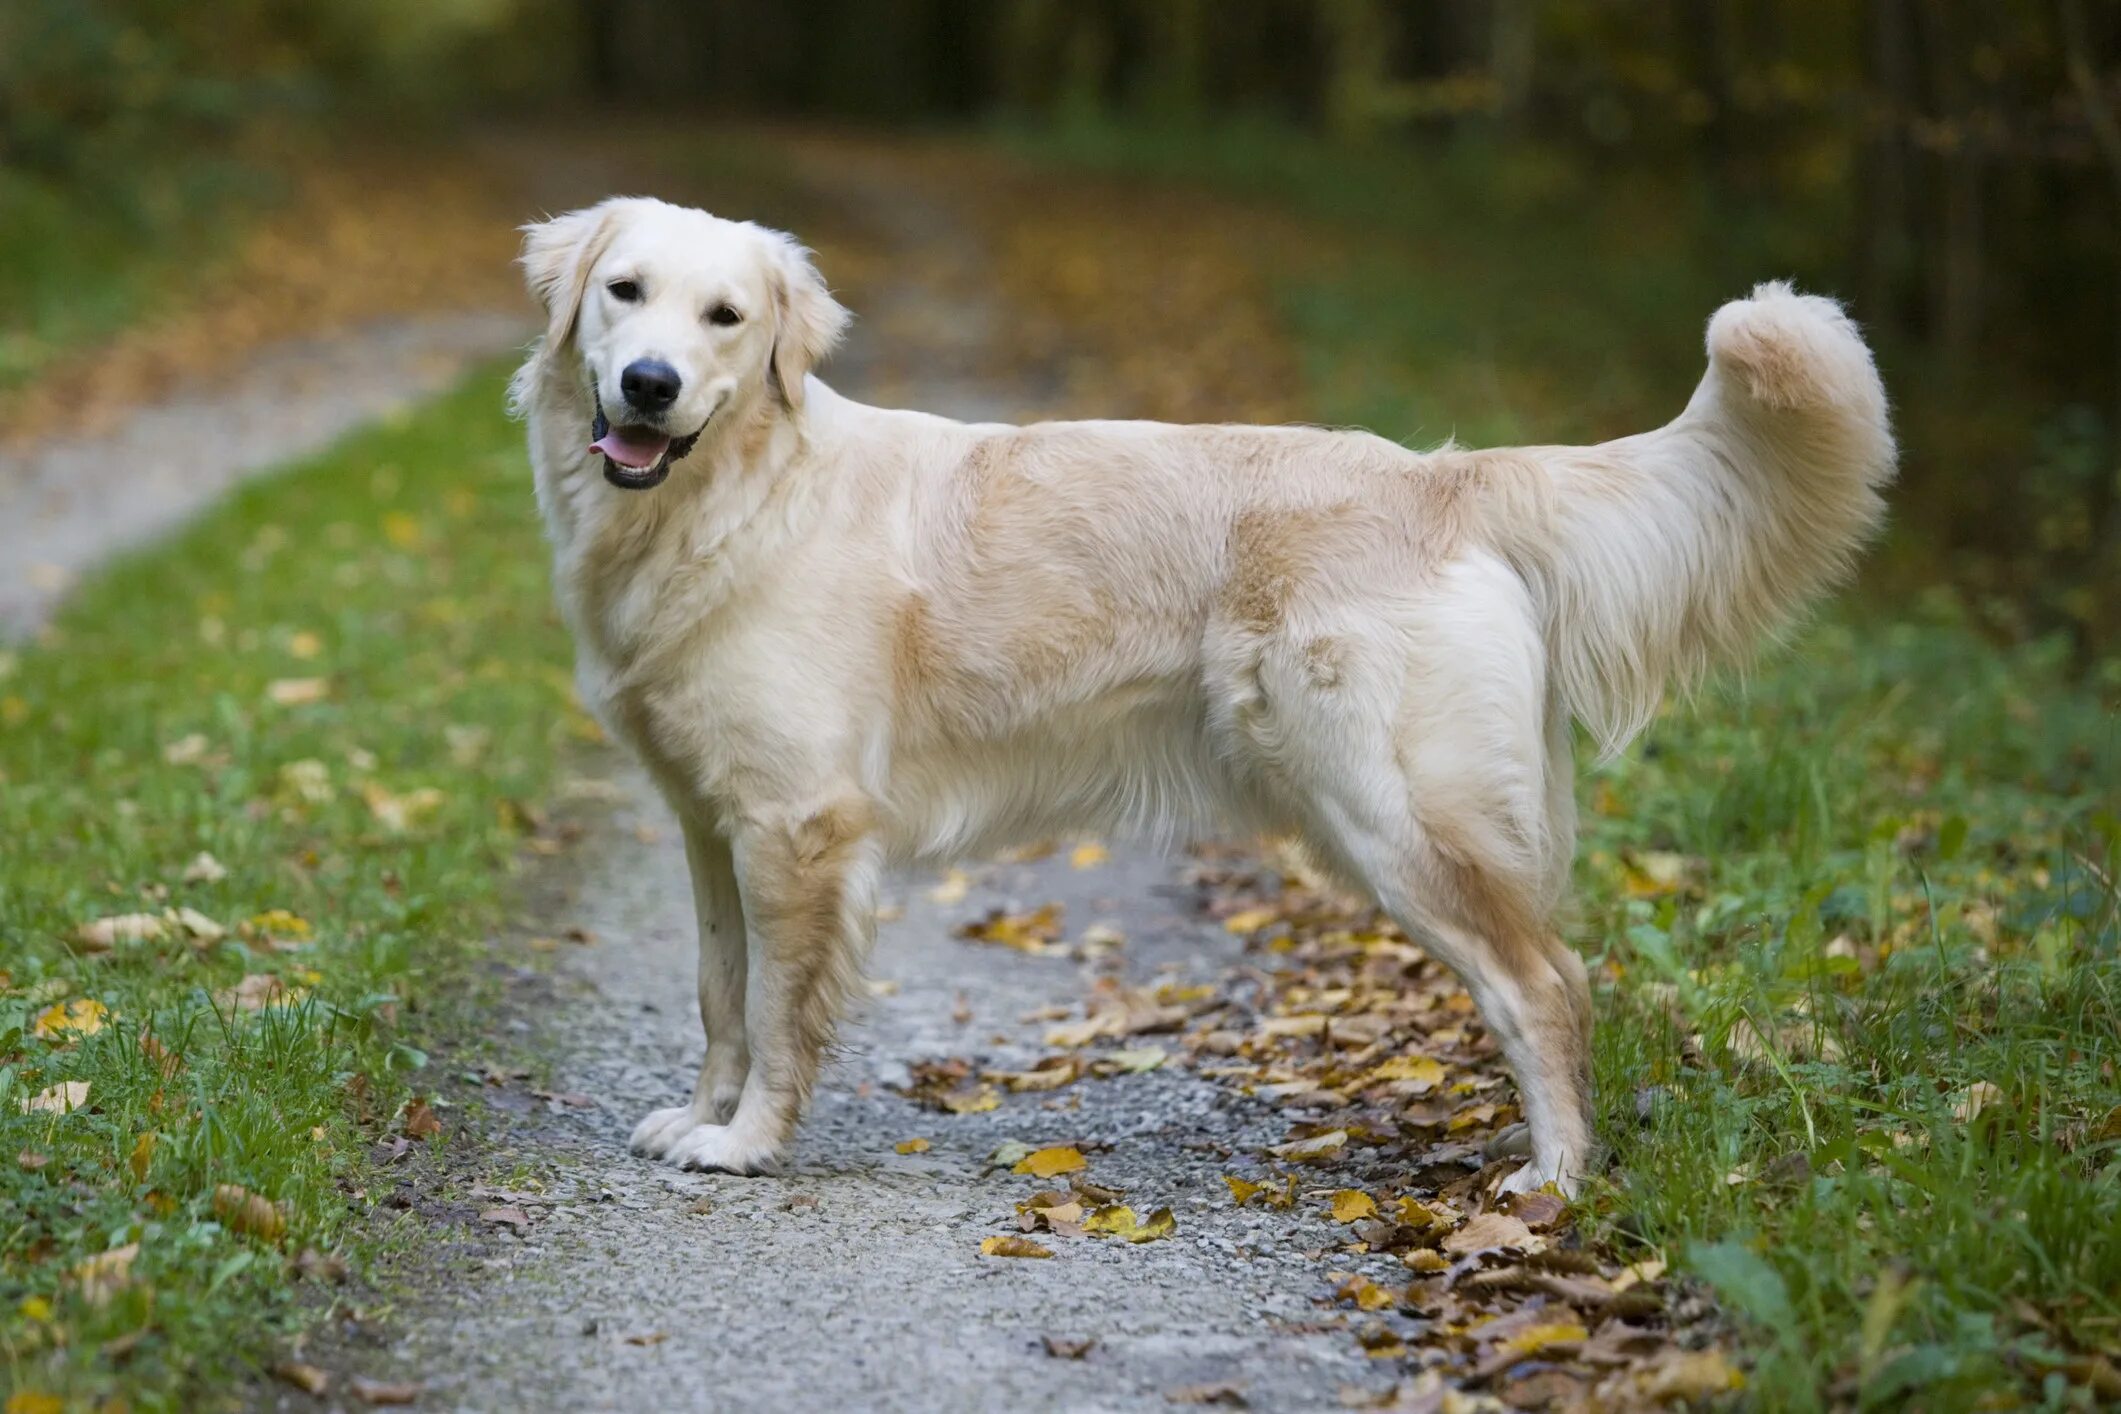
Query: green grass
(1827, 904)
(82, 265)
(370, 832)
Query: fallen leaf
(63, 1098)
(306, 1378)
(1534, 1339)
(1421, 1072)
(1366, 1295)
(257, 991)
(1026, 932)
(103, 934)
(142, 1156)
(196, 926)
(1426, 1260)
(29, 1160)
(1088, 855)
(298, 692)
(1049, 1074)
(1012, 1246)
(241, 1210)
(28, 1401)
(1351, 1204)
(100, 1277)
(1051, 1162)
(513, 1217)
(911, 1146)
(1538, 1211)
(1065, 1348)
(383, 1391)
(647, 1338)
(1689, 1375)
(955, 885)
(321, 1266)
(1316, 1149)
(1250, 920)
(419, 1121)
(1974, 1099)
(1130, 1062)
(204, 869)
(81, 1017)
(1490, 1231)
(1225, 1393)
(1118, 1220)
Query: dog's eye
(724, 315)
(626, 290)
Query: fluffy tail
(1681, 547)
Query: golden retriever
(842, 637)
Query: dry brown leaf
(241, 1210)
(420, 1121)
(507, 1216)
(647, 1338)
(1224, 1393)
(1319, 1148)
(381, 1392)
(306, 1378)
(1490, 1231)
(1066, 1348)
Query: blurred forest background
(1951, 168)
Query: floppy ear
(808, 321)
(557, 256)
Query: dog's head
(676, 319)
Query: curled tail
(1673, 550)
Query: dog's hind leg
(719, 907)
(809, 888)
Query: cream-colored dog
(842, 636)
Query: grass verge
(1857, 922)
(293, 749)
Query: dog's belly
(1148, 771)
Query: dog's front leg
(719, 907)
(809, 889)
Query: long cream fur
(842, 636)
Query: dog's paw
(722, 1148)
(1531, 1178)
(655, 1134)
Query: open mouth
(637, 458)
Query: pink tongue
(631, 448)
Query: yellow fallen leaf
(1367, 1295)
(1012, 1246)
(1251, 920)
(29, 1401)
(1353, 1205)
(1244, 1190)
(1088, 855)
(402, 530)
(971, 1101)
(61, 1099)
(1974, 1099)
(953, 888)
(1418, 1215)
(1533, 1339)
(142, 1156)
(1422, 1070)
(304, 644)
(1654, 874)
(1118, 1220)
(82, 1016)
(911, 1146)
(35, 1308)
(1694, 1375)
(1047, 1163)
(1426, 1260)
(1050, 1074)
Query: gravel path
(64, 505)
(855, 1279)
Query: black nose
(650, 384)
